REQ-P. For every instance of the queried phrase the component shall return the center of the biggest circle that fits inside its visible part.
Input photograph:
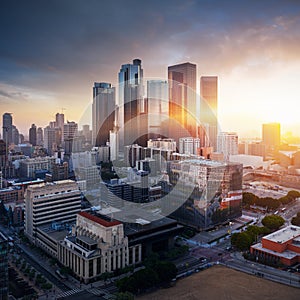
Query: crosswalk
(68, 293)
(106, 293)
(97, 291)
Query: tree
(273, 222)
(145, 278)
(249, 199)
(165, 270)
(151, 260)
(293, 194)
(296, 220)
(241, 241)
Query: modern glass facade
(131, 104)
(103, 111)
(207, 192)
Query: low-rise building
(281, 246)
(97, 245)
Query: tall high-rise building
(271, 138)
(52, 138)
(59, 123)
(3, 267)
(271, 134)
(131, 104)
(209, 110)
(39, 136)
(182, 98)
(227, 143)
(15, 135)
(86, 132)
(33, 135)
(157, 107)
(7, 128)
(3, 155)
(103, 112)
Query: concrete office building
(189, 145)
(103, 112)
(39, 137)
(7, 124)
(164, 144)
(48, 202)
(33, 135)
(97, 245)
(30, 166)
(59, 123)
(52, 139)
(227, 144)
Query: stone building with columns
(97, 245)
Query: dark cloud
(5, 94)
(63, 46)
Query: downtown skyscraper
(33, 135)
(209, 111)
(103, 112)
(132, 113)
(182, 100)
(7, 127)
(157, 104)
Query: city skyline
(252, 47)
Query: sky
(52, 52)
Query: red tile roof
(99, 220)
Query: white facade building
(227, 144)
(49, 202)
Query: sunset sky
(51, 53)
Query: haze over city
(52, 53)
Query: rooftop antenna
(62, 110)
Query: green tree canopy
(242, 241)
(273, 222)
(296, 220)
(165, 270)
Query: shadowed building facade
(209, 111)
(103, 112)
(182, 100)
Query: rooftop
(284, 235)
(50, 184)
(99, 220)
(86, 239)
(57, 235)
